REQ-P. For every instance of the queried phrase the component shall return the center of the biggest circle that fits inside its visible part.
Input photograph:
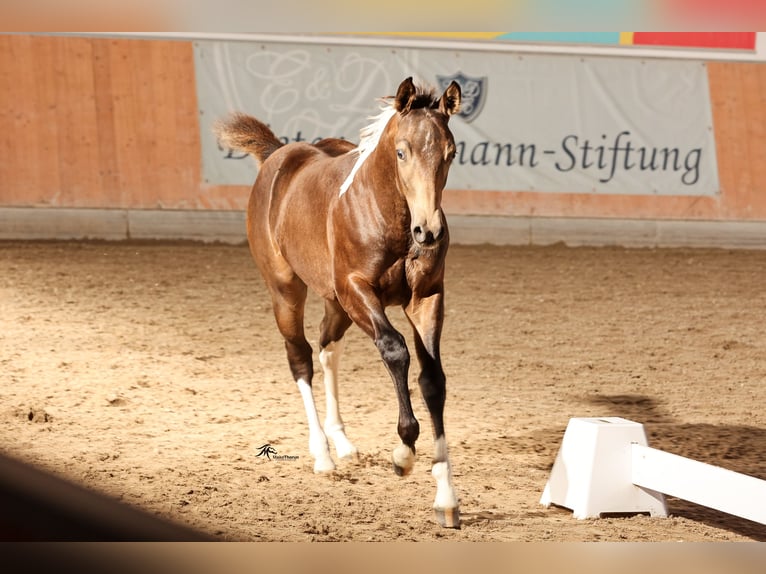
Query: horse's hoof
(323, 466)
(448, 517)
(401, 471)
(348, 454)
(404, 460)
(344, 449)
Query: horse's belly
(314, 272)
(305, 249)
(288, 246)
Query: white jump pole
(701, 483)
(605, 466)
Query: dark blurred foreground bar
(36, 506)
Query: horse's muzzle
(427, 236)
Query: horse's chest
(416, 272)
(392, 284)
(425, 267)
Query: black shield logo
(473, 91)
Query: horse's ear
(404, 96)
(450, 100)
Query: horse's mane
(424, 98)
(369, 136)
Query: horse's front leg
(426, 316)
(366, 310)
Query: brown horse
(362, 227)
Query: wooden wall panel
(78, 161)
(739, 115)
(27, 122)
(106, 123)
(130, 123)
(109, 171)
(113, 123)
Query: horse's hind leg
(426, 317)
(288, 299)
(333, 327)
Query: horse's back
(334, 147)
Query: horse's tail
(243, 132)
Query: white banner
(528, 122)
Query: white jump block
(593, 471)
(605, 466)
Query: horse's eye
(400, 153)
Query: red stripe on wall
(724, 40)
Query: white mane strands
(368, 140)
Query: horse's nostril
(427, 237)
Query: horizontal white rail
(698, 482)
(446, 43)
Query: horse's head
(424, 148)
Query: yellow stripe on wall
(626, 38)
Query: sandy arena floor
(153, 372)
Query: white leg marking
(445, 493)
(329, 357)
(317, 440)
